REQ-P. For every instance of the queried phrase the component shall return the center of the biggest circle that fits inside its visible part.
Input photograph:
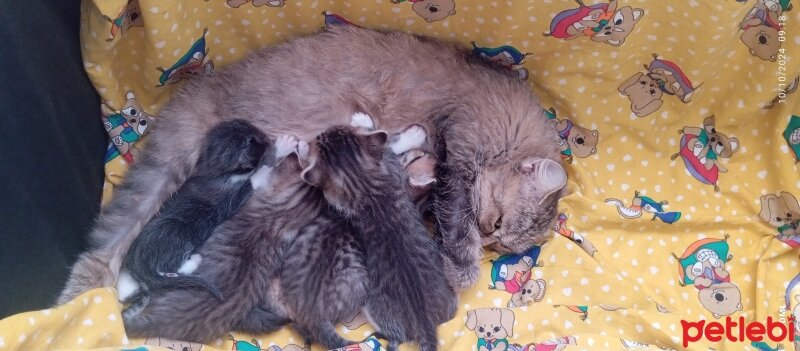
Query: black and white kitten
(241, 258)
(164, 255)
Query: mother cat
(498, 176)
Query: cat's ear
(376, 143)
(548, 176)
(312, 175)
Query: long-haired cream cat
(498, 176)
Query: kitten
(363, 179)
(241, 258)
(164, 254)
(324, 279)
(492, 137)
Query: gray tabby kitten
(240, 258)
(324, 280)
(164, 254)
(363, 179)
(498, 175)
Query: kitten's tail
(181, 282)
(428, 340)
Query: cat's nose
(490, 223)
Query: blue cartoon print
(703, 266)
(192, 63)
(641, 204)
(506, 56)
(512, 274)
(125, 128)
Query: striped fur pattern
(363, 179)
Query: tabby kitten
(363, 179)
(165, 253)
(241, 258)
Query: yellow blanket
(674, 218)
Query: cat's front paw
(302, 150)
(284, 145)
(412, 138)
(460, 277)
(362, 120)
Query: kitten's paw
(460, 277)
(126, 286)
(261, 177)
(302, 150)
(284, 145)
(412, 138)
(190, 265)
(362, 120)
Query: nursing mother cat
(499, 179)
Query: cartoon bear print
(125, 128)
(603, 23)
(512, 273)
(782, 212)
(370, 344)
(792, 136)
(702, 148)
(431, 10)
(174, 344)
(254, 345)
(641, 204)
(574, 140)
(561, 228)
(761, 28)
(130, 16)
(703, 265)
(645, 90)
(506, 56)
(194, 62)
(256, 3)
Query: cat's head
(516, 203)
(232, 148)
(342, 162)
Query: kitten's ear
(290, 163)
(312, 175)
(548, 176)
(376, 143)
